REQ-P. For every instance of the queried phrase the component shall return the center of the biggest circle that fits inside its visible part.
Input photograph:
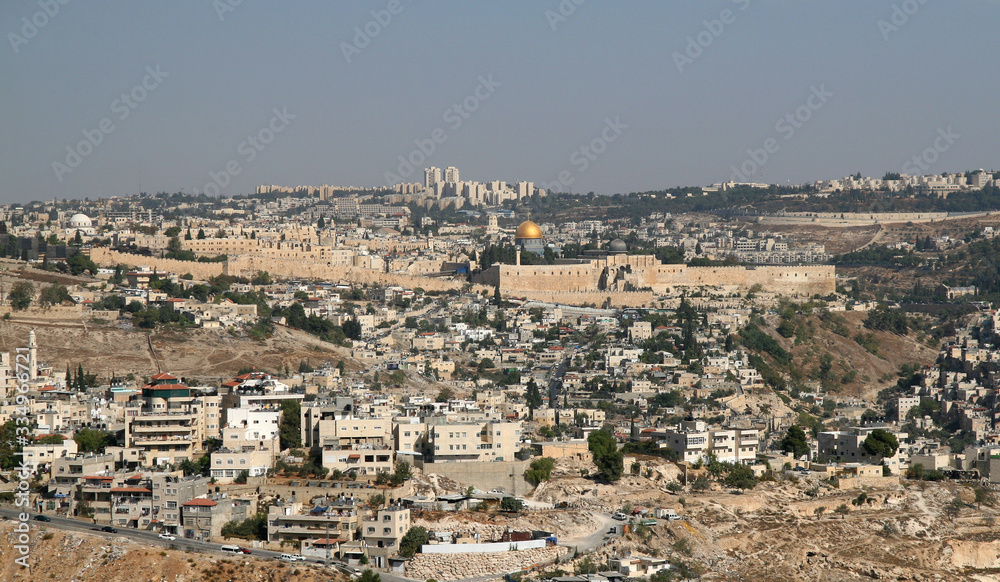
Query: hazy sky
(659, 94)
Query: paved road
(589, 542)
(584, 544)
(141, 536)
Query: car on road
(41, 517)
(619, 516)
(245, 551)
(166, 536)
(109, 529)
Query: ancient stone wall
(640, 272)
(109, 258)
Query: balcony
(184, 441)
(168, 426)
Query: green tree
(369, 576)
(511, 504)
(352, 329)
(740, 477)
(21, 295)
(532, 397)
(881, 442)
(9, 445)
(415, 537)
(53, 295)
(607, 457)
(539, 470)
(252, 528)
(291, 423)
(445, 395)
(795, 442)
(79, 263)
(93, 441)
(984, 495)
(954, 508)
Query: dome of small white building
(80, 221)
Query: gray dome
(618, 246)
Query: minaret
(32, 356)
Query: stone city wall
(292, 268)
(549, 280)
(849, 219)
(108, 258)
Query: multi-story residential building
(694, 441)
(36, 455)
(244, 449)
(170, 492)
(432, 176)
(469, 441)
(848, 446)
(68, 474)
(168, 422)
(286, 521)
(364, 445)
(58, 410)
(202, 518)
(384, 531)
(140, 500)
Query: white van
(231, 549)
(286, 557)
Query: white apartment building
(696, 441)
(847, 446)
(364, 445)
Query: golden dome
(528, 229)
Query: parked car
(166, 536)
(619, 516)
(41, 517)
(109, 529)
